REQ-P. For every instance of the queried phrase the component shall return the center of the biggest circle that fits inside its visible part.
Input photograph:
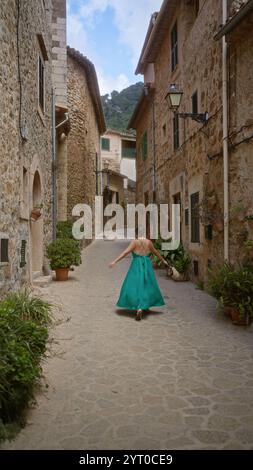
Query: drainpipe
(154, 149)
(54, 189)
(225, 131)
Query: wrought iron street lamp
(174, 98)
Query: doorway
(37, 229)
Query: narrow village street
(180, 379)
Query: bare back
(142, 247)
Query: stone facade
(87, 125)
(118, 154)
(25, 138)
(121, 152)
(240, 42)
(173, 173)
(59, 77)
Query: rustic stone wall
(84, 139)
(59, 49)
(240, 42)
(198, 164)
(192, 167)
(20, 159)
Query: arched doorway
(37, 229)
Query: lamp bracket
(202, 118)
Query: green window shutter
(176, 140)
(195, 227)
(105, 143)
(144, 146)
(174, 48)
(4, 250)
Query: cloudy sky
(111, 34)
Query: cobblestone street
(182, 378)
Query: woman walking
(140, 289)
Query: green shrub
(233, 287)
(28, 307)
(64, 229)
(23, 337)
(64, 253)
(177, 258)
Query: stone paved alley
(180, 379)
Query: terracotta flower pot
(62, 274)
(35, 214)
(218, 226)
(237, 319)
(227, 311)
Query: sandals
(138, 315)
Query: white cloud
(131, 17)
(77, 36)
(109, 83)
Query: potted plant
(63, 254)
(234, 290)
(181, 265)
(179, 262)
(249, 220)
(36, 212)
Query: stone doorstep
(42, 281)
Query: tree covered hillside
(118, 107)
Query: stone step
(42, 281)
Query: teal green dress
(140, 289)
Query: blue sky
(111, 34)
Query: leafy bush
(28, 307)
(233, 287)
(177, 258)
(64, 229)
(182, 263)
(64, 253)
(23, 337)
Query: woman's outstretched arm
(126, 252)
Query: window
(144, 146)
(174, 48)
(195, 103)
(41, 84)
(4, 250)
(196, 7)
(23, 254)
(176, 131)
(186, 217)
(105, 144)
(164, 131)
(196, 268)
(208, 232)
(195, 228)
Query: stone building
(29, 81)
(181, 160)
(87, 125)
(118, 154)
(239, 38)
(61, 117)
(25, 138)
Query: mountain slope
(119, 107)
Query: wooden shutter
(195, 229)
(106, 144)
(4, 250)
(174, 48)
(144, 146)
(176, 131)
